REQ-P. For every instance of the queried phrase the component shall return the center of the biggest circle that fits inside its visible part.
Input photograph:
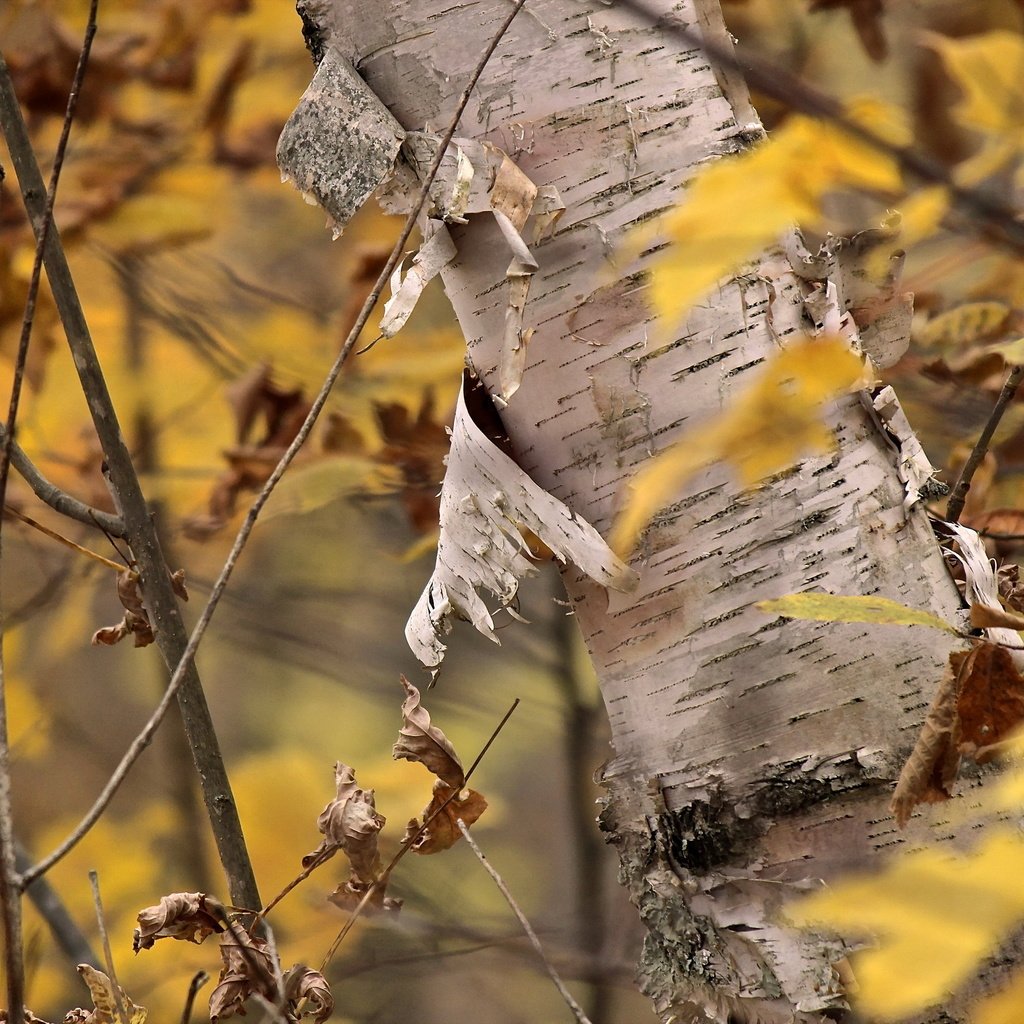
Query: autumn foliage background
(217, 300)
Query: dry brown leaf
(350, 822)
(442, 832)
(253, 398)
(991, 700)
(1011, 590)
(349, 895)
(245, 972)
(985, 617)
(420, 741)
(930, 771)
(136, 619)
(191, 916)
(303, 983)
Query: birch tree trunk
(751, 757)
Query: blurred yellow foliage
(775, 421)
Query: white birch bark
(751, 757)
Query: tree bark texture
(752, 757)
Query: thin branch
(68, 936)
(185, 661)
(60, 501)
(108, 956)
(982, 206)
(530, 933)
(199, 979)
(140, 531)
(957, 499)
(10, 882)
(61, 539)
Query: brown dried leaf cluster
(248, 969)
(191, 916)
(267, 418)
(136, 619)
(420, 741)
(439, 830)
(350, 823)
(979, 702)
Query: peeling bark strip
(752, 757)
(484, 500)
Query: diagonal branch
(139, 529)
(184, 664)
(60, 501)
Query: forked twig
(185, 662)
(955, 506)
(577, 1010)
(10, 882)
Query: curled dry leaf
(931, 769)
(136, 619)
(979, 703)
(350, 822)
(104, 1000)
(244, 972)
(418, 740)
(442, 832)
(192, 916)
(985, 617)
(303, 983)
(350, 895)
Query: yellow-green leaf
(935, 917)
(776, 421)
(836, 608)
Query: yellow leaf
(964, 324)
(770, 188)
(775, 422)
(936, 916)
(836, 608)
(989, 69)
(921, 213)
(1011, 351)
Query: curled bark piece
(437, 251)
(485, 497)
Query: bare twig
(51, 909)
(408, 843)
(530, 933)
(140, 532)
(185, 661)
(108, 956)
(60, 501)
(10, 882)
(1001, 222)
(199, 979)
(955, 507)
(61, 539)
